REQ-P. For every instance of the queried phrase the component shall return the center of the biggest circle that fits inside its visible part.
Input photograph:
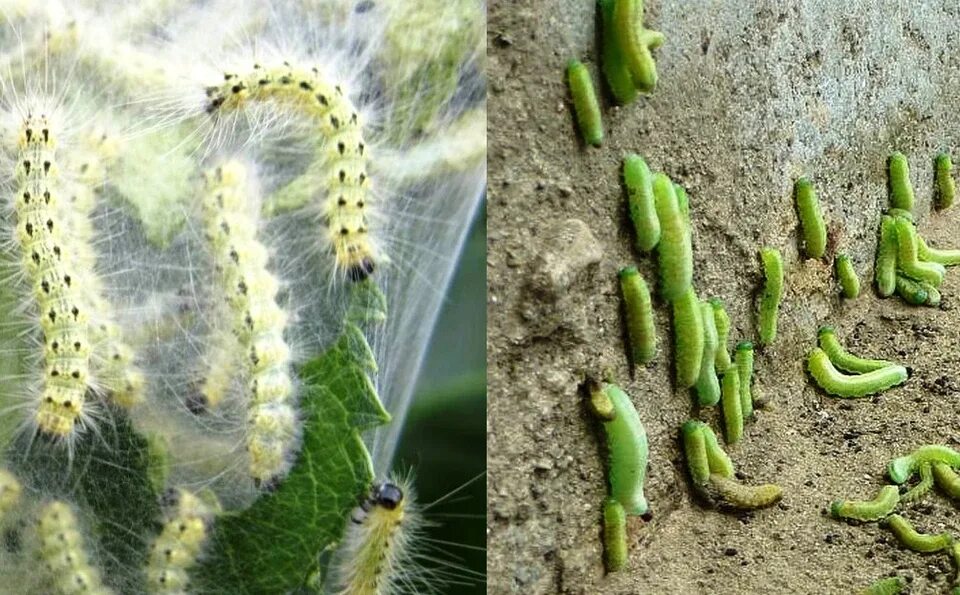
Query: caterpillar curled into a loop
(342, 159)
(843, 385)
(180, 542)
(63, 552)
(882, 504)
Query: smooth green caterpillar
(675, 250)
(614, 535)
(898, 174)
(727, 492)
(614, 68)
(900, 214)
(585, 103)
(908, 261)
(719, 460)
(180, 542)
(639, 313)
(732, 406)
(695, 452)
(10, 491)
(708, 386)
(743, 359)
(923, 487)
(885, 269)
(688, 338)
(945, 257)
(772, 290)
(643, 211)
(62, 550)
(882, 504)
(839, 357)
(843, 385)
(947, 479)
(847, 276)
(886, 586)
(722, 322)
(912, 292)
(919, 542)
(945, 186)
(636, 43)
(683, 201)
(626, 449)
(811, 218)
(902, 468)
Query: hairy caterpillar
(946, 189)
(902, 468)
(627, 450)
(732, 406)
(585, 104)
(640, 200)
(908, 260)
(47, 258)
(920, 490)
(639, 313)
(843, 385)
(947, 479)
(614, 535)
(675, 250)
(811, 219)
(722, 322)
(886, 586)
(10, 491)
(62, 550)
(945, 257)
(258, 322)
(882, 504)
(636, 43)
(772, 290)
(342, 153)
(744, 362)
(919, 542)
(180, 541)
(708, 386)
(847, 276)
(898, 174)
(614, 69)
(841, 358)
(688, 338)
(885, 269)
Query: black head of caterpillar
(385, 495)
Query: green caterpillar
(703, 453)
(614, 535)
(732, 405)
(885, 269)
(945, 257)
(636, 43)
(945, 185)
(902, 468)
(908, 260)
(626, 448)
(921, 489)
(811, 218)
(847, 276)
(720, 463)
(744, 362)
(947, 479)
(839, 357)
(722, 322)
(772, 290)
(643, 212)
(851, 386)
(886, 586)
(675, 250)
(729, 493)
(882, 504)
(683, 202)
(901, 192)
(614, 69)
(707, 386)
(919, 542)
(688, 338)
(639, 313)
(915, 293)
(62, 550)
(585, 103)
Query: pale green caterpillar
(843, 385)
(614, 535)
(913, 292)
(688, 338)
(886, 586)
(726, 492)
(919, 542)
(882, 504)
(907, 259)
(720, 463)
(707, 386)
(839, 357)
(898, 173)
(639, 313)
(947, 258)
(744, 362)
(62, 550)
(636, 43)
(847, 276)
(902, 468)
(732, 405)
(703, 453)
(945, 185)
(811, 218)
(614, 69)
(885, 269)
(900, 214)
(675, 250)
(772, 290)
(643, 212)
(722, 322)
(10, 491)
(180, 542)
(683, 202)
(923, 487)
(947, 479)
(585, 104)
(626, 448)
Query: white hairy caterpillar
(61, 548)
(181, 541)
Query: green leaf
(273, 546)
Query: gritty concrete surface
(752, 94)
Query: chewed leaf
(252, 551)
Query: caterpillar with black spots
(180, 542)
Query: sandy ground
(752, 94)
